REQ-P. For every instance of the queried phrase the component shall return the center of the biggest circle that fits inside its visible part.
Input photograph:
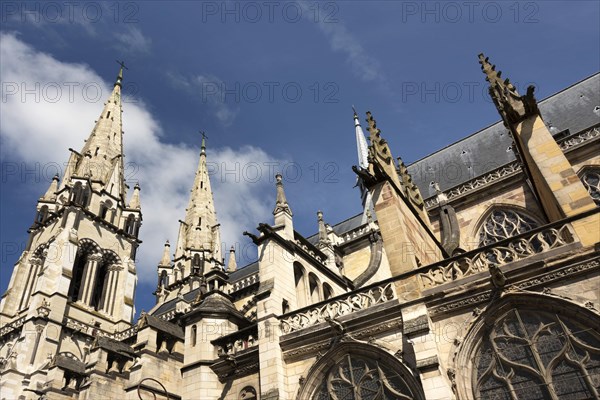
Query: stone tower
(198, 246)
(78, 268)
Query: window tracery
(356, 377)
(535, 355)
(591, 180)
(504, 223)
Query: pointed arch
(87, 248)
(327, 291)
(376, 374)
(314, 288)
(530, 346)
(502, 221)
(301, 289)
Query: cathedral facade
(482, 288)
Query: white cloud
(342, 40)
(41, 132)
(210, 89)
(132, 40)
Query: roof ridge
(500, 122)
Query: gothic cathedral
(485, 287)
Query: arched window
(197, 265)
(359, 372)
(106, 211)
(590, 177)
(314, 288)
(247, 393)
(300, 280)
(77, 277)
(42, 215)
(163, 280)
(503, 223)
(130, 224)
(533, 349)
(194, 334)
(327, 291)
(76, 193)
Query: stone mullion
(89, 278)
(109, 289)
(30, 281)
(105, 290)
(115, 287)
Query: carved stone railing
(355, 233)
(337, 308)
(16, 324)
(476, 183)
(310, 251)
(574, 140)
(126, 334)
(244, 283)
(504, 252)
(236, 342)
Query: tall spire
(363, 162)
(198, 227)
(361, 143)
(101, 158)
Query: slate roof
(573, 108)
(69, 364)
(164, 326)
(243, 272)
(114, 346)
(169, 305)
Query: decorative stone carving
(517, 249)
(355, 302)
(477, 183)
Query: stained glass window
(359, 378)
(535, 355)
(504, 223)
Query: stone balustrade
(16, 324)
(236, 342)
(337, 308)
(502, 253)
(244, 283)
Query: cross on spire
(122, 64)
(204, 137)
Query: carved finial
(323, 238)
(281, 204)
(512, 107)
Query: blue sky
(272, 85)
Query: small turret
(135, 198)
(232, 263)
(50, 194)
